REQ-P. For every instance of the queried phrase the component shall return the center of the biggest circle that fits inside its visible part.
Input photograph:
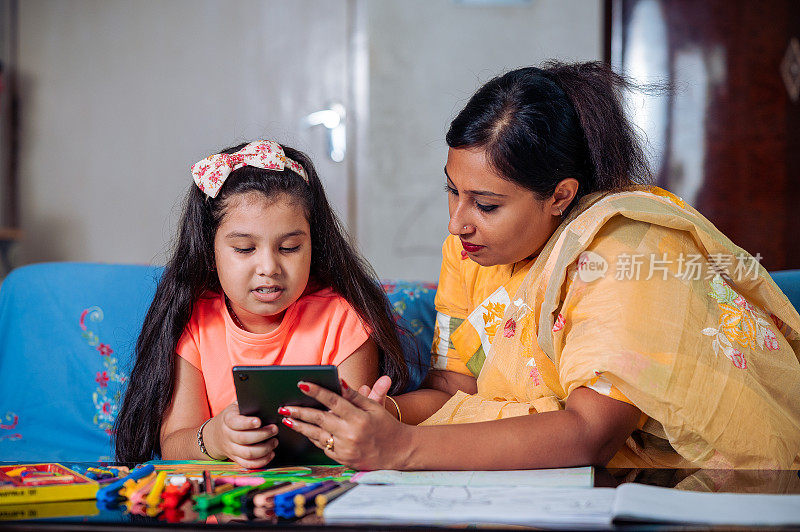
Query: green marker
(233, 498)
(203, 501)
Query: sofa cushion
(789, 283)
(67, 338)
(414, 310)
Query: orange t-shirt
(319, 328)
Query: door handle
(332, 119)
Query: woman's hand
(240, 438)
(364, 435)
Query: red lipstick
(471, 248)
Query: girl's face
(262, 251)
(498, 221)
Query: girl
(572, 329)
(262, 274)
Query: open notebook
(557, 507)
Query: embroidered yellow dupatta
(642, 290)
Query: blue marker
(284, 502)
(111, 492)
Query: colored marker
(301, 498)
(284, 502)
(233, 498)
(154, 497)
(325, 498)
(174, 495)
(240, 480)
(248, 498)
(208, 483)
(266, 499)
(132, 485)
(207, 500)
(138, 492)
(110, 492)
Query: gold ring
(329, 444)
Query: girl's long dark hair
(190, 273)
(539, 126)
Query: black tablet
(261, 390)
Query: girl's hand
(365, 435)
(240, 438)
(378, 391)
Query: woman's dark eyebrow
(475, 192)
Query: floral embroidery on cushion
(739, 323)
(389, 287)
(108, 393)
(559, 324)
(10, 420)
(399, 308)
(510, 328)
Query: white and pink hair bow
(210, 173)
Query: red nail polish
(303, 386)
(286, 421)
(284, 411)
(344, 384)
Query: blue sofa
(67, 338)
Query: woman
(583, 317)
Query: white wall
(109, 126)
(427, 57)
(119, 98)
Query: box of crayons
(31, 483)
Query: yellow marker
(154, 497)
(16, 472)
(130, 486)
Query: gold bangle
(397, 407)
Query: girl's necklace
(236, 319)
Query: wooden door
(727, 139)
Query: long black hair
(190, 273)
(539, 126)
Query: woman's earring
(560, 212)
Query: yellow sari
(640, 291)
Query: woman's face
(498, 221)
